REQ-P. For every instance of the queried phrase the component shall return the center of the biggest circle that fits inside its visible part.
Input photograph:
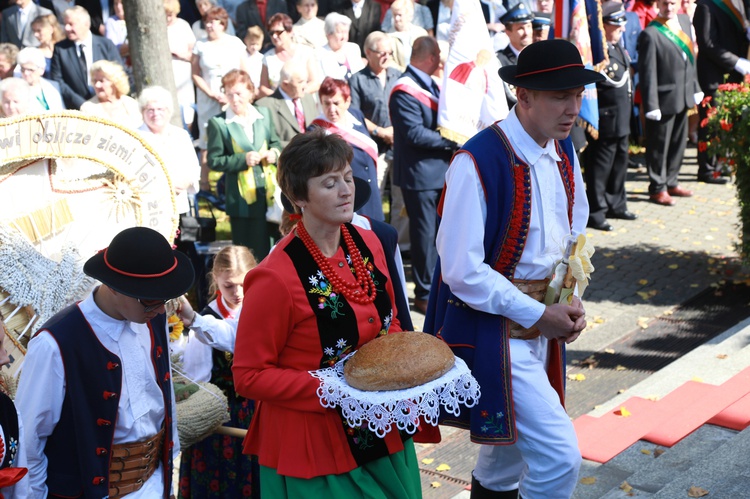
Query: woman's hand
(252, 158)
(219, 97)
(185, 311)
(269, 157)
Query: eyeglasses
(277, 32)
(151, 305)
(154, 110)
(381, 54)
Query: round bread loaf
(397, 361)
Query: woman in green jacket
(243, 143)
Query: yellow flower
(175, 327)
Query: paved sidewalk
(644, 270)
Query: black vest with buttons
(78, 450)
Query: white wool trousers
(544, 461)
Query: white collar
(100, 321)
(426, 79)
(525, 144)
(252, 115)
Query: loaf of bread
(397, 361)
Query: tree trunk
(149, 48)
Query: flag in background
(580, 22)
(472, 96)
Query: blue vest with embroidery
(78, 450)
(479, 338)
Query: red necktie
(299, 114)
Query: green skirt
(395, 476)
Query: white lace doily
(381, 409)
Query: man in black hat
(722, 38)
(518, 28)
(96, 396)
(512, 200)
(668, 89)
(606, 157)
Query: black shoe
(479, 492)
(605, 226)
(710, 179)
(622, 215)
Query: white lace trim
(380, 410)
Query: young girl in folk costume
(13, 480)
(215, 467)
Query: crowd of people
(313, 98)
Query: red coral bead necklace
(363, 291)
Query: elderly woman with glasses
(339, 58)
(173, 144)
(111, 99)
(45, 94)
(285, 48)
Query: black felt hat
(141, 263)
(362, 191)
(549, 65)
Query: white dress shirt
(140, 409)
(206, 333)
(460, 238)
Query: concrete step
(648, 467)
(724, 473)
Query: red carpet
(667, 421)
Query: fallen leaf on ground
(652, 398)
(643, 322)
(621, 368)
(644, 295)
(674, 266)
(625, 487)
(646, 451)
(609, 350)
(443, 467)
(590, 362)
(427, 460)
(622, 390)
(659, 452)
(608, 254)
(697, 379)
(576, 377)
(722, 356)
(598, 320)
(588, 480)
(643, 282)
(622, 411)
(435, 485)
(697, 492)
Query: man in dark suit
(365, 16)
(73, 57)
(722, 45)
(519, 30)
(248, 14)
(606, 157)
(420, 158)
(669, 88)
(16, 23)
(292, 110)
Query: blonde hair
(50, 20)
(234, 259)
(172, 7)
(254, 34)
(114, 73)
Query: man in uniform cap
(513, 196)
(517, 22)
(541, 24)
(96, 394)
(606, 157)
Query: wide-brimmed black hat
(141, 263)
(362, 191)
(549, 65)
